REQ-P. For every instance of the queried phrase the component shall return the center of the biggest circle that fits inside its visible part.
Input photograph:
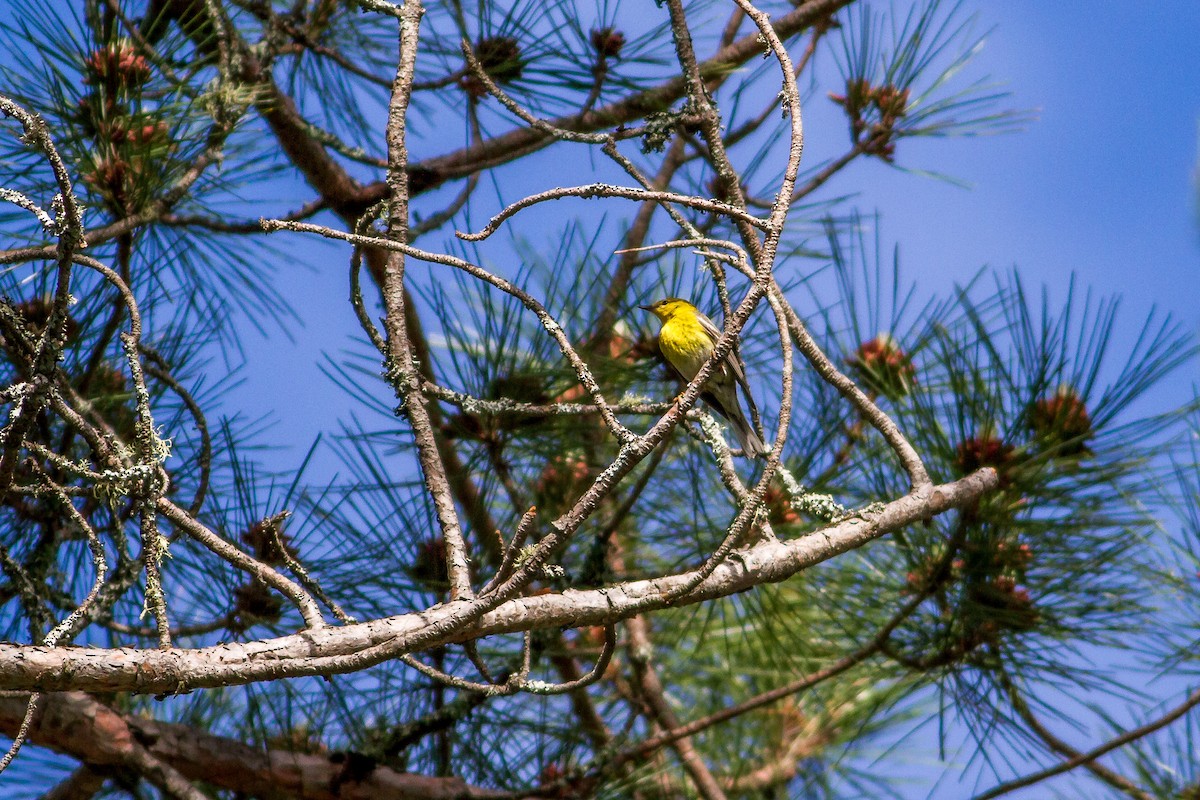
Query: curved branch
(594, 190)
(309, 610)
(1022, 709)
(582, 371)
(433, 172)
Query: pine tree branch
(635, 237)
(400, 364)
(607, 190)
(350, 199)
(82, 784)
(74, 724)
(340, 192)
(874, 645)
(502, 149)
(353, 647)
(590, 719)
(307, 605)
(1022, 709)
(782, 767)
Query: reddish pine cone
(36, 313)
(1013, 606)
(889, 101)
(1062, 420)
(255, 603)
(884, 366)
(268, 541)
(986, 450)
(116, 65)
(608, 42)
(429, 566)
(779, 507)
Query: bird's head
(668, 307)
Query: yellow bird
(687, 339)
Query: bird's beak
(646, 308)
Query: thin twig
(512, 552)
(858, 656)
(651, 690)
(22, 732)
(1131, 735)
(309, 610)
(160, 370)
(549, 323)
(594, 190)
(1021, 707)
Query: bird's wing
(733, 360)
(710, 328)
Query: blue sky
(1100, 184)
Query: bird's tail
(752, 444)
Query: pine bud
(986, 450)
(268, 541)
(500, 57)
(254, 603)
(884, 367)
(1061, 420)
(116, 66)
(608, 42)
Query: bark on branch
(355, 647)
(76, 725)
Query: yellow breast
(685, 344)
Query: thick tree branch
(354, 647)
(74, 724)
